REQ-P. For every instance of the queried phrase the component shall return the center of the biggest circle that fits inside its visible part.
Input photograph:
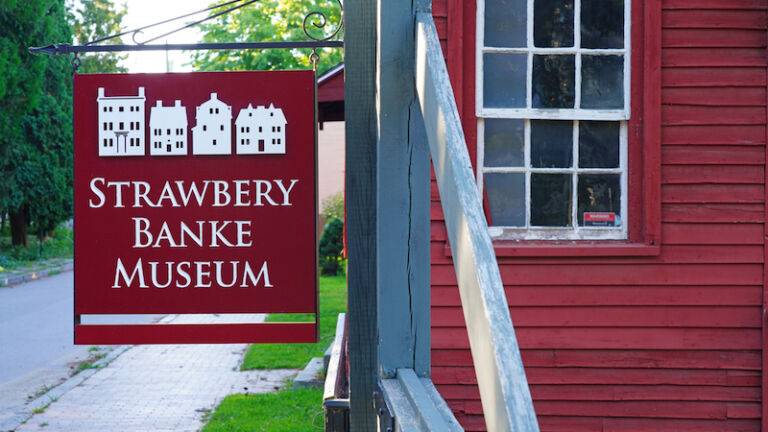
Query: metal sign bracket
(315, 19)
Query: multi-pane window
(553, 105)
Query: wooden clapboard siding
(664, 342)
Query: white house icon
(121, 124)
(212, 134)
(260, 130)
(168, 130)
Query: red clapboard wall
(667, 342)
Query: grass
(284, 411)
(287, 410)
(90, 363)
(42, 409)
(60, 245)
(333, 300)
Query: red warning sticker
(599, 219)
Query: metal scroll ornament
(319, 21)
(315, 20)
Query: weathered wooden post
(403, 198)
(387, 202)
(360, 117)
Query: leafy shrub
(333, 207)
(331, 244)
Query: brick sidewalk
(157, 388)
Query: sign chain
(76, 64)
(314, 58)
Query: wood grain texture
(664, 338)
(630, 359)
(674, 77)
(739, 19)
(620, 316)
(402, 183)
(713, 38)
(715, 96)
(714, 135)
(616, 295)
(360, 193)
(613, 376)
(709, 57)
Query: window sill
(510, 248)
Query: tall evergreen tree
(269, 20)
(35, 117)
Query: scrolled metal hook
(75, 63)
(136, 33)
(323, 23)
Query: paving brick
(158, 388)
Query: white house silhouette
(260, 130)
(121, 124)
(212, 134)
(168, 130)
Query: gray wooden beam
(416, 405)
(402, 199)
(360, 115)
(504, 391)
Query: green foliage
(330, 247)
(269, 20)
(35, 112)
(333, 301)
(96, 19)
(333, 206)
(285, 411)
(59, 245)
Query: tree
(330, 247)
(96, 19)
(35, 117)
(269, 20)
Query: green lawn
(60, 245)
(287, 410)
(284, 411)
(333, 300)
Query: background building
(658, 325)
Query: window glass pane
(553, 23)
(598, 144)
(602, 81)
(505, 23)
(550, 199)
(602, 23)
(551, 143)
(504, 80)
(505, 193)
(553, 81)
(599, 193)
(504, 142)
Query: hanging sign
(195, 193)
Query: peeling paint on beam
(504, 392)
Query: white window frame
(574, 231)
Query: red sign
(599, 219)
(195, 193)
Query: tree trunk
(40, 242)
(18, 228)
